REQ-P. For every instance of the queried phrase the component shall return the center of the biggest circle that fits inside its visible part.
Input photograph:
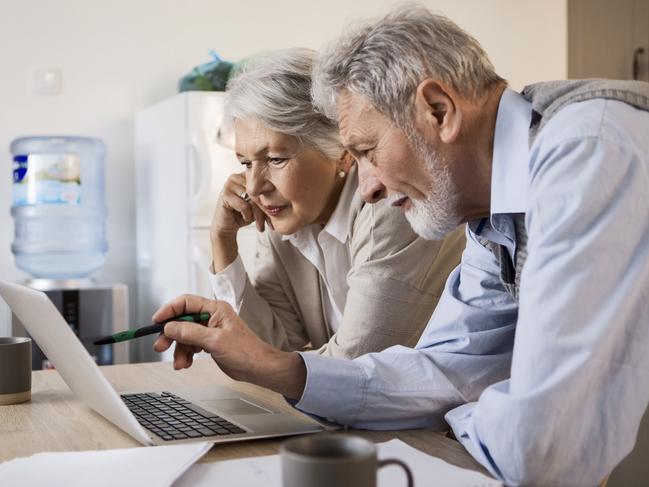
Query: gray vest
(547, 99)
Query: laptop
(214, 413)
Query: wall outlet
(47, 81)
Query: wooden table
(55, 420)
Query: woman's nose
(256, 181)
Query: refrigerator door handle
(636, 62)
(202, 172)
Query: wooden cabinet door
(608, 39)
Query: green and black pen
(151, 329)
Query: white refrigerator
(183, 157)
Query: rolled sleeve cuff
(229, 284)
(335, 389)
(459, 418)
(462, 423)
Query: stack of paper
(266, 471)
(156, 466)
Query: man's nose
(369, 184)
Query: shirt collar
(339, 221)
(509, 172)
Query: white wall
(120, 56)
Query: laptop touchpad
(234, 407)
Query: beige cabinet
(608, 39)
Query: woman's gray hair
(275, 88)
(386, 60)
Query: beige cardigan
(394, 284)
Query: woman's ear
(345, 162)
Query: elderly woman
(332, 273)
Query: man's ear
(437, 112)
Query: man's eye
(246, 164)
(368, 154)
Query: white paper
(426, 469)
(244, 472)
(155, 466)
(267, 471)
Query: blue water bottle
(58, 206)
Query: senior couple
(536, 351)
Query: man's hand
(234, 347)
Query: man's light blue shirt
(550, 390)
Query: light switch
(47, 81)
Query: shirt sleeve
(229, 284)
(465, 347)
(580, 370)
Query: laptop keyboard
(173, 418)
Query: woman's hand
(233, 346)
(234, 209)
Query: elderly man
(542, 333)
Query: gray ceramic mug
(15, 370)
(333, 460)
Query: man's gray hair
(275, 88)
(387, 59)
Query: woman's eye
(246, 164)
(277, 161)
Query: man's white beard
(435, 216)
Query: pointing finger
(189, 333)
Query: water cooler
(59, 213)
(92, 310)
